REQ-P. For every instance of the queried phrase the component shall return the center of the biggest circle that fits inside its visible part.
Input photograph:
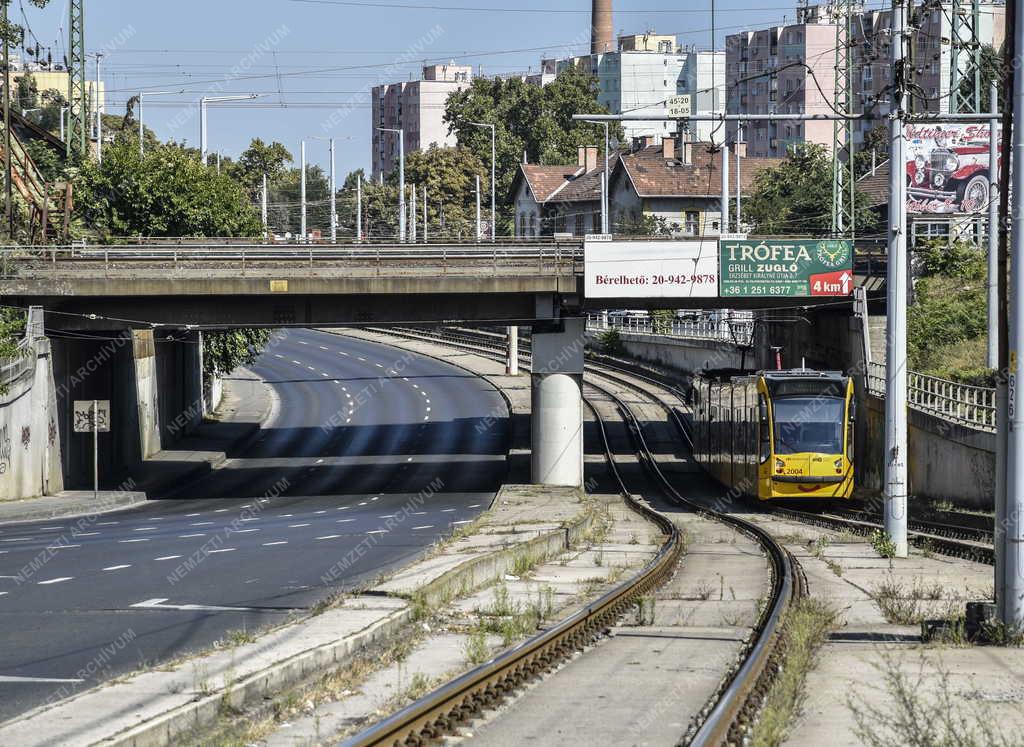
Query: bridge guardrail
(739, 332)
(973, 406)
(23, 362)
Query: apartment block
(647, 70)
(791, 69)
(416, 108)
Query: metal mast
(78, 111)
(843, 178)
(965, 56)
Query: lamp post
(494, 215)
(203, 102)
(99, 111)
(142, 140)
(401, 180)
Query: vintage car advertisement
(948, 168)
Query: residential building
(669, 185)
(417, 109)
(47, 78)
(560, 199)
(791, 69)
(647, 70)
(678, 185)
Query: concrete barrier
(686, 355)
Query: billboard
(947, 168)
(786, 268)
(650, 269)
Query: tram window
(850, 425)
(764, 430)
(809, 425)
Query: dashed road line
(168, 557)
(117, 567)
(60, 580)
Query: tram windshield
(808, 424)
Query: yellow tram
(778, 434)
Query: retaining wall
(686, 355)
(29, 437)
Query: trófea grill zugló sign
(753, 268)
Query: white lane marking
(319, 512)
(423, 393)
(55, 680)
(296, 526)
(378, 365)
(140, 539)
(344, 508)
(344, 521)
(159, 604)
(278, 355)
(246, 531)
(279, 542)
(329, 537)
(225, 549)
(376, 497)
(378, 531)
(428, 409)
(189, 516)
(48, 529)
(296, 363)
(326, 376)
(303, 342)
(361, 358)
(322, 347)
(342, 352)
(363, 503)
(60, 547)
(85, 534)
(251, 518)
(426, 417)
(201, 523)
(18, 539)
(168, 557)
(319, 461)
(428, 526)
(405, 378)
(447, 510)
(60, 580)
(409, 459)
(475, 505)
(117, 567)
(467, 521)
(415, 386)
(286, 516)
(3, 593)
(190, 536)
(107, 523)
(145, 529)
(221, 510)
(419, 513)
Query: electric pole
(843, 179)
(8, 171)
(895, 454)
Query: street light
(142, 143)
(401, 180)
(202, 116)
(494, 215)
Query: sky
(313, 62)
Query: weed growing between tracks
(806, 626)
(915, 714)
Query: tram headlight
(839, 466)
(779, 465)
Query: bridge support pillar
(557, 405)
(512, 361)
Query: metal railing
(973, 406)
(739, 332)
(23, 362)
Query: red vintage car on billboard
(948, 168)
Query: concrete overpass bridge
(146, 292)
(270, 285)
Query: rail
(972, 406)
(737, 331)
(734, 707)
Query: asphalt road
(368, 446)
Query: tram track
(971, 540)
(726, 718)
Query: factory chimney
(602, 37)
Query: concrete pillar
(512, 362)
(556, 424)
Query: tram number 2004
(682, 279)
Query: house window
(580, 229)
(533, 225)
(692, 224)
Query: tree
(789, 200)
(284, 213)
(450, 177)
(261, 159)
(948, 321)
(876, 141)
(224, 351)
(168, 193)
(993, 70)
(531, 120)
